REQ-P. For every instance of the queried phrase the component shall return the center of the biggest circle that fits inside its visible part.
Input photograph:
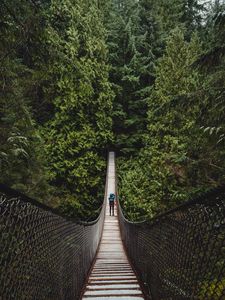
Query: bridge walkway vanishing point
(112, 276)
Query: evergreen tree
(193, 14)
(213, 90)
(168, 158)
(55, 89)
(21, 161)
(81, 126)
(132, 34)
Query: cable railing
(180, 255)
(43, 255)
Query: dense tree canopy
(182, 152)
(145, 76)
(56, 102)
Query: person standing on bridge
(111, 203)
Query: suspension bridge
(177, 255)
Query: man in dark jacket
(111, 203)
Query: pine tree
(164, 164)
(132, 34)
(81, 126)
(192, 15)
(21, 161)
(212, 64)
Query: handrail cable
(180, 254)
(43, 254)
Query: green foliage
(174, 76)
(56, 102)
(179, 160)
(22, 164)
(132, 30)
(134, 187)
(81, 125)
(77, 76)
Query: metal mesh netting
(43, 255)
(181, 254)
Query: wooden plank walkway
(112, 277)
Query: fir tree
(81, 126)
(133, 31)
(21, 161)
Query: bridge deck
(112, 276)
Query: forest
(144, 77)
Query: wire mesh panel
(181, 254)
(43, 255)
